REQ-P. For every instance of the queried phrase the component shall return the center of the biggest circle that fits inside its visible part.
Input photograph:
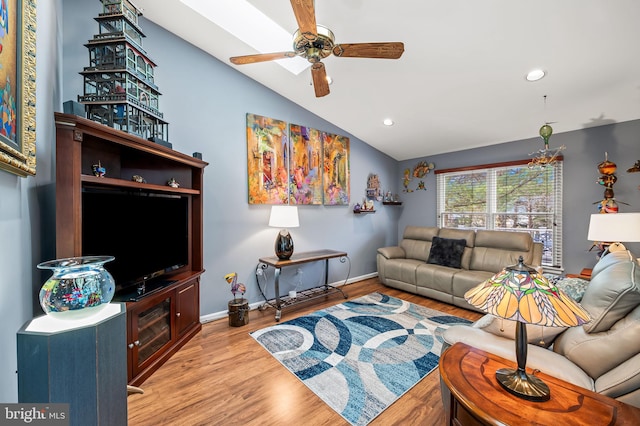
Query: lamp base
(523, 385)
(284, 245)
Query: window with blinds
(508, 197)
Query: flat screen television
(147, 233)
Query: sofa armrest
(536, 334)
(621, 380)
(538, 358)
(394, 252)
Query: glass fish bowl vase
(79, 287)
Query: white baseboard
(223, 314)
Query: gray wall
(207, 114)
(585, 149)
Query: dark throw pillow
(446, 252)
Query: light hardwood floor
(224, 377)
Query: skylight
(245, 22)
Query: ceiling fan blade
(306, 17)
(261, 57)
(391, 50)
(320, 83)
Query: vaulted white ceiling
(461, 80)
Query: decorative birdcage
(119, 88)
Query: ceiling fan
(315, 42)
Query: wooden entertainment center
(158, 324)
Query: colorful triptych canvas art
(267, 160)
(336, 169)
(306, 165)
(295, 164)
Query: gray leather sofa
(603, 355)
(411, 266)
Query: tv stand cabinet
(159, 324)
(162, 322)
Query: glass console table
(280, 302)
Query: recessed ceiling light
(245, 22)
(535, 75)
(388, 122)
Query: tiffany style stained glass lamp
(520, 293)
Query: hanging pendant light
(545, 156)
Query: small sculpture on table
(173, 183)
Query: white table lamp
(614, 228)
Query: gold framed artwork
(295, 164)
(18, 86)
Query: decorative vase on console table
(79, 287)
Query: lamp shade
(521, 293)
(614, 227)
(284, 217)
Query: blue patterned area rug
(362, 355)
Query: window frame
(553, 260)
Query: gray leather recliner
(603, 355)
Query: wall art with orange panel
(305, 165)
(267, 160)
(335, 150)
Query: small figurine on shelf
(357, 208)
(138, 178)
(369, 206)
(373, 188)
(98, 170)
(173, 183)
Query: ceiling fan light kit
(316, 42)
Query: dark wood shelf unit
(160, 323)
(120, 183)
